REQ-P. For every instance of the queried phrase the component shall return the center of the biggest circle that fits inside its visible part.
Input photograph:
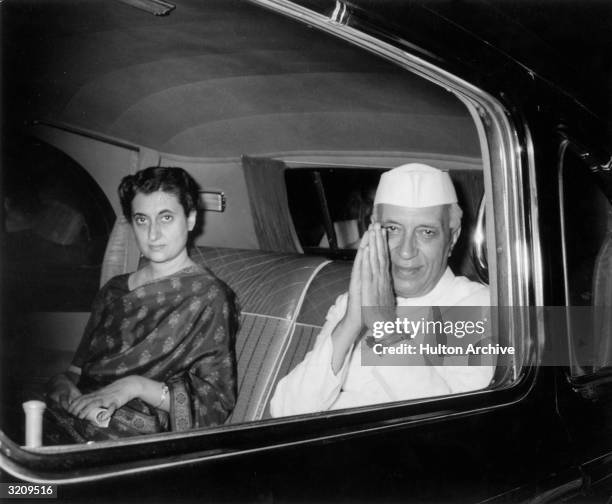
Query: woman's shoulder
(116, 287)
(116, 283)
(209, 282)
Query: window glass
(323, 196)
(56, 224)
(337, 203)
(333, 118)
(587, 248)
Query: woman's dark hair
(157, 178)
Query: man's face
(420, 241)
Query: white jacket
(312, 385)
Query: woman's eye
(140, 220)
(391, 228)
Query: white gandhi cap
(415, 185)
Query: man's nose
(408, 248)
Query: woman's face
(161, 226)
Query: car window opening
(586, 197)
(303, 196)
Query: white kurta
(312, 385)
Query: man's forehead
(432, 215)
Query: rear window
(331, 207)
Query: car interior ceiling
(274, 85)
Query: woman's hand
(62, 390)
(112, 397)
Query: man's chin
(403, 290)
(407, 289)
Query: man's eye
(428, 233)
(391, 228)
(166, 218)
(140, 220)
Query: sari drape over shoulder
(178, 330)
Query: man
(401, 261)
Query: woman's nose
(153, 231)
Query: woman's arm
(120, 392)
(202, 389)
(62, 389)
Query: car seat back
(271, 289)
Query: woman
(157, 353)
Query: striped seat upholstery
(271, 289)
(330, 282)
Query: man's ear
(454, 237)
(191, 220)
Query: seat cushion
(331, 281)
(271, 289)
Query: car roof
(218, 78)
(222, 78)
(563, 43)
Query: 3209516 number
(15, 490)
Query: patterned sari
(178, 330)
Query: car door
(585, 384)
